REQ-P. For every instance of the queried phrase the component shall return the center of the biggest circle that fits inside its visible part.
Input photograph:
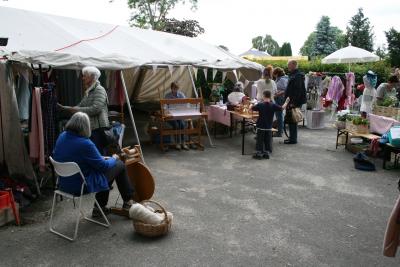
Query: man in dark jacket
(296, 91)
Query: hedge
(381, 68)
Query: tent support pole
(197, 96)
(130, 113)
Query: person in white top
(266, 84)
(386, 89)
(368, 97)
(236, 97)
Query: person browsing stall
(266, 83)
(296, 91)
(237, 95)
(281, 80)
(266, 110)
(74, 145)
(177, 124)
(95, 104)
(386, 89)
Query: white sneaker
(178, 147)
(184, 146)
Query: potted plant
(361, 125)
(341, 121)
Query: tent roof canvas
(73, 43)
(254, 53)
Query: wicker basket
(361, 129)
(390, 112)
(152, 230)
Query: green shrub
(381, 68)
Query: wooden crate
(390, 112)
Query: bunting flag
(171, 69)
(223, 76)
(235, 73)
(181, 69)
(195, 70)
(239, 74)
(154, 69)
(246, 82)
(205, 73)
(135, 70)
(214, 73)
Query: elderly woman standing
(94, 104)
(74, 145)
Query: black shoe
(96, 213)
(257, 156)
(288, 142)
(127, 205)
(266, 156)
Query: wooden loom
(191, 110)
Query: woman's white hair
(92, 71)
(79, 124)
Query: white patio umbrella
(350, 54)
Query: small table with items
(387, 150)
(246, 119)
(346, 133)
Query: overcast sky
(234, 23)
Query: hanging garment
(69, 87)
(350, 81)
(23, 94)
(335, 90)
(367, 100)
(36, 139)
(12, 147)
(49, 109)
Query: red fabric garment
(392, 233)
(374, 147)
(36, 139)
(341, 103)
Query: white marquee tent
(67, 43)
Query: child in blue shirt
(266, 110)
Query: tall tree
(325, 38)
(359, 32)
(308, 47)
(190, 28)
(267, 44)
(152, 13)
(286, 50)
(258, 43)
(340, 38)
(393, 39)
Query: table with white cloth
(219, 114)
(380, 124)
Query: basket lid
(142, 180)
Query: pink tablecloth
(381, 124)
(219, 114)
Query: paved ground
(306, 206)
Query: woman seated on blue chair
(74, 145)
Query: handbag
(297, 115)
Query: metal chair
(66, 169)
